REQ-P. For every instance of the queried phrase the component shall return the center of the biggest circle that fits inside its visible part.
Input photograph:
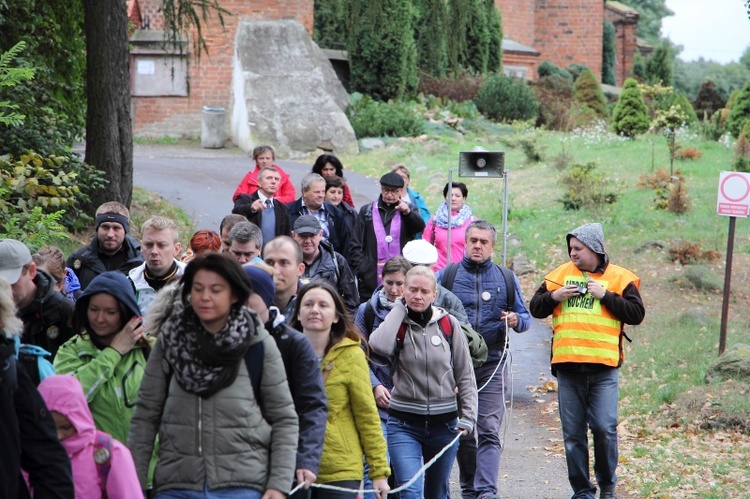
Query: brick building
(565, 32)
(174, 106)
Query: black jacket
(333, 267)
(28, 436)
(87, 263)
(283, 223)
(306, 384)
(46, 320)
(339, 232)
(364, 253)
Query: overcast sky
(713, 29)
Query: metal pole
(727, 286)
(450, 197)
(505, 217)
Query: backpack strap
(445, 325)
(254, 363)
(369, 317)
(103, 458)
(510, 286)
(449, 275)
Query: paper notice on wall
(146, 67)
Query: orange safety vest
(584, 331)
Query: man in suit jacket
(260, 208)
(312, 202)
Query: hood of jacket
(113, 283)
(64, 394)
(45, 287)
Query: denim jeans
(413, 444)
(589, 400)
(367, 483)
(225, 493)
(479, 462)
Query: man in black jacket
(303, 374)
(28, 437)
(322, 262)
(261, 209)
(312, 202)
(45, 312)
(111, 249)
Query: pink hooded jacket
(64, 394)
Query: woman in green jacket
(108, 356)
(353, 427)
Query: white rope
(506, 423)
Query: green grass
(666, 449)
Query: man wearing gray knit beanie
(591, 300)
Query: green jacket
(349, 392)
(104, 374)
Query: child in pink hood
(103, 469)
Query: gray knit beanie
(591, 235)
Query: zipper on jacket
(200, 426)
(479, 300)
(427, 372)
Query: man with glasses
(381, 231)
(322, 262)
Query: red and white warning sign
(734, 194)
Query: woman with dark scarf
(432, 372)
(108, 354)
(436, 231)
(216, 439)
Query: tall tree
(109, 131)
(659, 66)
(651, 13)
(428, 34)
(608, 54)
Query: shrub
(740, 111)
(547, 68)
(687, 252)
(681, 100)
(382, 52)
(504, 98)
(678, 201)
(555, 96)
(588, 93)
(708, 101)
(51, 183)
(459, 88)
(36, 229)
(742, 150)
(688, 153)
(576, 69)
(659, 66)
(530, 148)
(630, 115)
(370, 118)
(586, 187)
(661, 182)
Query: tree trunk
(109, 132)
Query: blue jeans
(479, 462)
(413, 444)
(589, 400)
(225, 493)
(367, 483)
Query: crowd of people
(304, 349)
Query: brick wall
(518, 20)
(211, 77)
(570, 31)
(530, 62)
(626, 40)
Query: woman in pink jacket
(436, 231)
(102, 466)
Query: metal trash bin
(212, 130)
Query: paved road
(202, 182)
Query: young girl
(102, 466)
(108, 356)
(353, 427)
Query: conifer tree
(659, 66)
(740, 110)
(630, 115)
(588, 93)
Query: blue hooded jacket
(113, 283)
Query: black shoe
(608, 494)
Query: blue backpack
(34, 360)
